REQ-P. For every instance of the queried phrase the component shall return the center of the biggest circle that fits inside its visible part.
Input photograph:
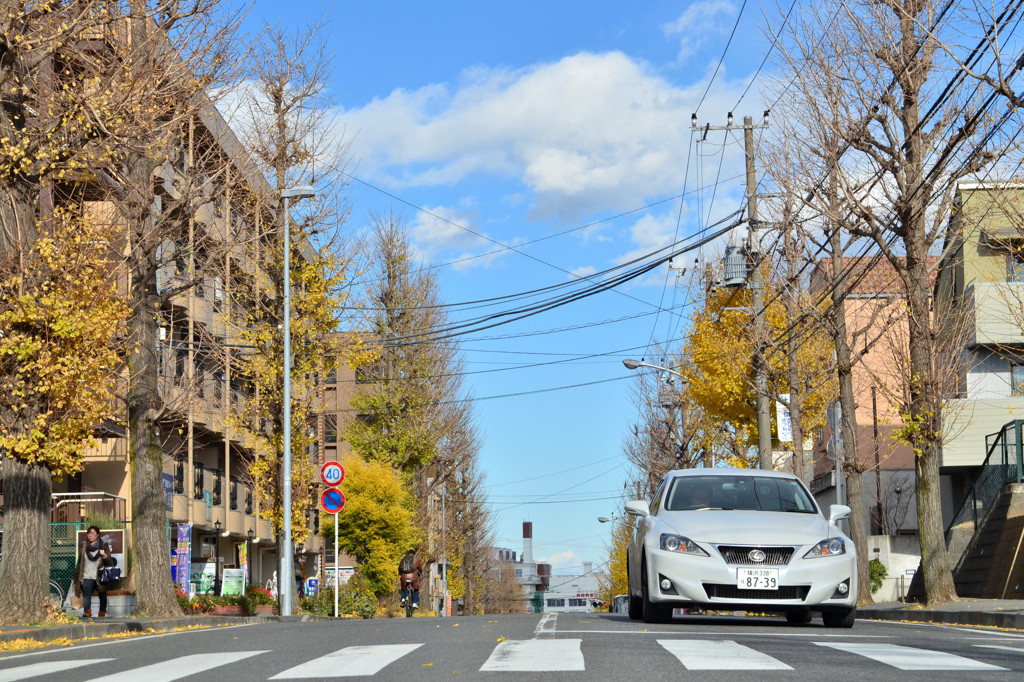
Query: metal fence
(1002, 466)
(63, 553)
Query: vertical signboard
(183, 558)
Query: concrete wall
(901, 555)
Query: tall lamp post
(284, 573)
(637, 364)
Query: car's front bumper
(711, 582)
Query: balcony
(996, 313)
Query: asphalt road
(535, 647)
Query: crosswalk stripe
(910, 658)
(1015, 649)
(535, 655)
(702, 654)
(176, 668)
(351, 661)
(24, 672)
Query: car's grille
(733, 592)
(774, 556)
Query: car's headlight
(678, 543)
(827, 547)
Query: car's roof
(722, 471)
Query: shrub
(351, 600)
(876, 573)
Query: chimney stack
(527, 542)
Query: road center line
(546, 625)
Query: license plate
(757, 578)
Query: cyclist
(410, 568)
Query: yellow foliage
(61, 316)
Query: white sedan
(728, 539)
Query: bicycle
(57, 593)
(407, 593)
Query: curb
(988, 618)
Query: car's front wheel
(653, 613)
(839, 619)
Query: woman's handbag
(109, 574)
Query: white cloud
(585, 271)
(588, 133)
(562, 561)
(443, 232)
(698, 24)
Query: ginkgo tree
(60, 321)
(717, 361)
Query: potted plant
(228, 606)
(260, 600)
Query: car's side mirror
(837, 512)
(638, 508)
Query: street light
(637, 364)
(216, 557)
(286, 506)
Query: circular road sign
(332, 474)
(332, 500)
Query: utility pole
(756, 284)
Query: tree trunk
(24, 575)
(926, 430)
(150, 549)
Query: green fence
(63, 550)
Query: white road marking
(535, 655)
(910, 658)
(176, 668)
(23, 672)
(351, 661)
(1015, 649)
(725, 633)
(701, 654)
(546, 624)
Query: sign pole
(337, 578)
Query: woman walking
(93, 554)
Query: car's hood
(747, 528)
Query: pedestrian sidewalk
(1003, 613)
(94, 628)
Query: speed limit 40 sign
(332, 474)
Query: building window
(1017, 380)
(556, 602)
(330, 428)
(1015, 266)
(519, 573)
(577, 602)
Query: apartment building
(203, 355)
(980, 295)
(877, 332)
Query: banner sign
(784, 425)
(183, 556)
(243, 558)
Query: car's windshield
(738, 492)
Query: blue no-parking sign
(332, 500)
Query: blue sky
(520, 121)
